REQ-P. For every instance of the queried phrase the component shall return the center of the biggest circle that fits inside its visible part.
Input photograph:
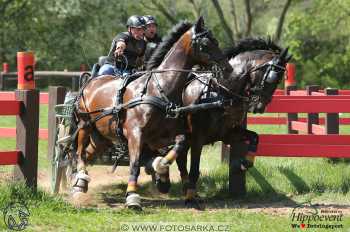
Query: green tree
(318, 36)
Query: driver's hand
(119, 49)
(118, 52)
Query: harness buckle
(170, 110)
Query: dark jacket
(134, 49)
(151, 46)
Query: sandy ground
(106, 190)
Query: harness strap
(155, 101)
(152, 100)
(144, 90)
(161, 91)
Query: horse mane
(168, 41)
(251, 44)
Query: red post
(82, 68)
(291, 116)
(25, 66)
(290, 75)
(312, 118)
(5, 68)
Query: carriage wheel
(59, 160)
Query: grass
(271, 180)
(10, 121)
(52, 213)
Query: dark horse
(141, 118)
(258, 67)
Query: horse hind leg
(82, 178)
(97, 145)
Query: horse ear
(199, 24)
(284, 53)
(289, 57)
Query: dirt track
(107, 190)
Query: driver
(127, 49)
(151, 36)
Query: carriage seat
(101, 61)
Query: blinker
(272, 77)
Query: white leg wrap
(82, 175)
(133, 199)
(159, 167)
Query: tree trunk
(196, 9)
(249, 17)
(235, 20)
(164, 11)
(281, 20)
(225, 26)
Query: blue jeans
(108, 69)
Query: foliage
(319, 40)
(65, 34)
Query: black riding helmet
(135, 21)
(150, 19)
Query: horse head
(205, 48)
(258, 66)
(265, 78)
(187, 45)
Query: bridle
(272, 76)
(199, 43)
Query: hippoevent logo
(16, 216)
(307, 216)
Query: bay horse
(141, 119)
(258, 67)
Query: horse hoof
(81, 182)
(163, 187)
(135, 207)
(159, 167)
(194, 203)
(133, 201)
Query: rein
(162, 103)
(220, 86)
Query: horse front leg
(133, 200)
(251, 139)
(161, 164)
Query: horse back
(101, 93)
